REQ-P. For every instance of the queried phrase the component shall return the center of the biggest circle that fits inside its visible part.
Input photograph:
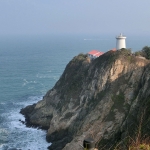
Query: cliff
(107, 99)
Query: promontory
(107, 99)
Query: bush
(146, 52)
(125, 51)
(139, 53)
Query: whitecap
(30, 87)
(2, 103)
(17, 135)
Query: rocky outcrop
(103, 99)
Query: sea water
(29, 67)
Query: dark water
(29, 67)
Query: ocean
(29, 67)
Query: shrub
(146, 52)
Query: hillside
(106, 99)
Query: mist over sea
(29, 67)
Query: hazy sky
(74, 16)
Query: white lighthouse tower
(120, 42)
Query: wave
(16, 135)
(28, 82)
(43, 76)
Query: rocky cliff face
(104, 99)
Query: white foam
(56, 78)
(2, 103)
(26, 82)
(3, 131)
(31, 87)
(30, 100)
(43, 76)
(18, 135)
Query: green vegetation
(140, 147)
(145, 52)
(80, 58)
(73, 77)
(118, 102)
(125, 51)
(118, 105)
(138, 134)
(110, 116)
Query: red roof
(95, 53)
(114, 49)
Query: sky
(36, 17)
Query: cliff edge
(106, 99)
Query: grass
(141, 144)
(138, 141)
(118, 102)
(135, 139)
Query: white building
(120, 42)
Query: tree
(138, 53)
(146, 51)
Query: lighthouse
(120, 42)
